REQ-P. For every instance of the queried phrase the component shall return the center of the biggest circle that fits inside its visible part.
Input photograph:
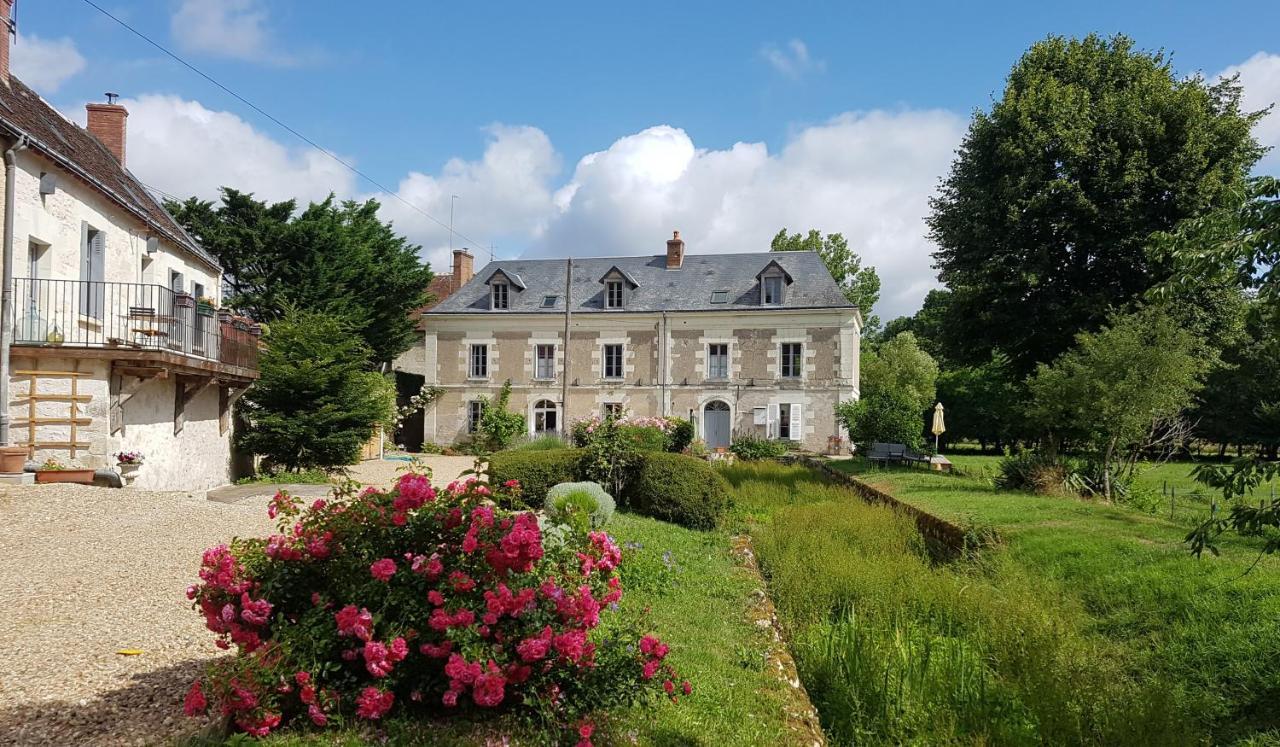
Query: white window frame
(716, 372)
(604, 361)
(765, 282)
(798, 373)
(500, 297)
(483, 359)
(538, 360)
(614, 294)
(475, 411)
(537, 410)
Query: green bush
(499, 427)
(679, 489)
(644, 437)
(537, 471)
(752, 448)
(680, 435)
(1039, 473)
(587, 498)
(891, 416)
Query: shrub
(537, 472)
(679, 489)
(499, 427)
(587, 497)
(1036, 472)
(541, 443)
(644, 437)
(364, 604)
(888, 416)
(752, 448)
(681, 434)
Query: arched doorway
(715, 424)
(545, 420)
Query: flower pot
(129, 472)
(184, 301)
(204, 309)
(224, 316)
(78, 476)
(12, 459)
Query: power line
(286, 127)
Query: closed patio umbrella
(939, 425)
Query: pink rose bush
(369, 604)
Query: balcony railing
(85, 313)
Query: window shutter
(85, 266)
(771, 427)
(98, 256)
(797, 424)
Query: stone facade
(48, 233)
(665, 368)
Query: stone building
(761, 343)
(116, 341)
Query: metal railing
(90, 313)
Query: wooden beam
(185, 388)
(227, 397)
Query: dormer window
(501, 285)
(774, 280)
(617, 284)
(501, 299)
(772, 290)
(613, 291)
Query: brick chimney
(464, 267)
(8, 31)
(675, 251)
(107, 123)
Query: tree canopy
(333, 257)
(1044, 222)
(899, 365)
(861, 285)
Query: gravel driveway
(90, 571)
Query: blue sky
(724, 120)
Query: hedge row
(671, 487)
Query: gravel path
(90, 571)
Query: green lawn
(697, 599)
(1205, 627)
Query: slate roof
(689, 288)
(24, 114)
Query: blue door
(715, 424)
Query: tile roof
(24, 114)
(688, 288)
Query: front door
(715, 424)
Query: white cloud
(867, 175)
(227, 28)
(1260, 76)
(792, 60)
(183, 148)
(45, 64)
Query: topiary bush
(644, 437)
(537, 471)
(565, 498)
(377, 604)
(679, 489)
(752, 448)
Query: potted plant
(54, 471)
(129, 462)
(184, 300)
(205, 306)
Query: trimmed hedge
(679, 489)
(536, 470)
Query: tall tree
(861, 285)
(899, 365)
(1044, 221)
(334, 257)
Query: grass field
(697, 597)
(1205, 628)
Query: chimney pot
(675, 251)
(107, 122)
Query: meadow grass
(1208, 628)
(692, 593)
(541, 443)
